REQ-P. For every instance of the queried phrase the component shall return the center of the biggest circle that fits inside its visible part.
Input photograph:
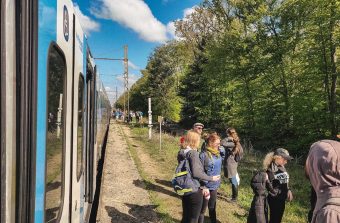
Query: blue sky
(142, 25)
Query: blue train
(54, 114)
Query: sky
(141, 25)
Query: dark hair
(233, 134)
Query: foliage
(268, 68)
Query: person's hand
(289, 196)
(205, 191)
(216, 178)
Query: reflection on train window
(80, 125)
(55, 134)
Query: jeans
(192, 205)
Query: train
(54, 113)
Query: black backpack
(183, 182)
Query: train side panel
(8, 110)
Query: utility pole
(126, 79)
(116, 97)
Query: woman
(211, 159)
(323, 170)
(234, 153)
(261, 186)
(192, 203)
(274, 163)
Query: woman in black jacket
(233, 154)
(274, 163)
(261, 186)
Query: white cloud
(133, 66)
(171, 29)
(86, 22)
(188, 11)
(134, 14)
(132, 79)
(107, 88)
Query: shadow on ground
(151, 186)
(137, 214)
(166, 183)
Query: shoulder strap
(332, 201)
(206, 161)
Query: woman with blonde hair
(192, 202)
(274, 164)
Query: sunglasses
(198, 127)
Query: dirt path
(123, 197)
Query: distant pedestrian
(234, 153)
(211, 159)
(137, 116)
(192, 203)
(274, 163)
(141, 116)
(323, 170)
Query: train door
(18, 105)
(2, 114)
(79, 125)
(54, 136)
(89, 162)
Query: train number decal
(66, 27)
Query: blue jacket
(212, 167)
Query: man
(198, 127)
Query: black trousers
(211, 205)
(192, 205)
(276, 209)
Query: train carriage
(54, 114)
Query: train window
(55, 134)
(80, 133)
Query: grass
(166, 158)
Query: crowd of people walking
(270, 185)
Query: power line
(110, 74)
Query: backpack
(183, 182)
(258, 182)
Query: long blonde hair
(192, 139)
(268, 159)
